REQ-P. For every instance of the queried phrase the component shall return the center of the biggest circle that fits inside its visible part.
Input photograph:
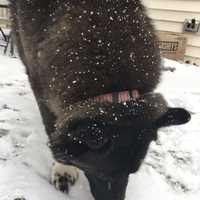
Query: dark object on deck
(4, 5)
(20, 198)
(171, 69)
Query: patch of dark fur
(90, 49)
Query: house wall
(4, 17)
(169, 15)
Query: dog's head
(108, 138)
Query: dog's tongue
(117, 97)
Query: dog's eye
(96, 139)
(90, 133)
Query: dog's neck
(103, 189)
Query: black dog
(93, 65)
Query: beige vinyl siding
(4, 17)
(169, 15)
(176, 5)
(3, 13)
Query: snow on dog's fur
(84, 58)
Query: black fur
(74, 50)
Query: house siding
(169, 15)
(4, 15)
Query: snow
(3, 2)
(170, 171)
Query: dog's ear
(173, 116)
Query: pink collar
(117, 97)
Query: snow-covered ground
(171, 169)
